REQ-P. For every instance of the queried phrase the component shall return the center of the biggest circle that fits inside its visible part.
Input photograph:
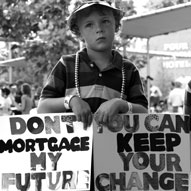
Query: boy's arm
(110, 108)
(79, 107)
(51, 105)
(137, 108)
(123, 106)
(52, 94)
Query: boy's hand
(109, 109)
(82, 111)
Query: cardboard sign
(143, 152)
(44, 152)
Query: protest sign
(143, 152)
(44, 152)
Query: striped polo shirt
(96, 86)
(187, 99)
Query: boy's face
(97, 29)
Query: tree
(40, 29)
(17, 21)
(157, 4)
(39, 26)
(125, 41)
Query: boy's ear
(80, 37)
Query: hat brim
(90, 4)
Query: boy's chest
(110, 77)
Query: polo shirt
(96, 86)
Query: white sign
(44, 152)
(143, 152)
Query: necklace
(77, 63)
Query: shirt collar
(116, 61)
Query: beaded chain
(77, 75)
(77, 78)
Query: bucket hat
(88, 4)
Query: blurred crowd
(173, 103)
(18, 98)
(22, 98)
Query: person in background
(1, 97)
(18, 92)
(13, 90)
(187, 99)
(36, 98)
(176, 98)
(155, 96)
(6, 104)
(18, 95)
(26, 99)
(37, 95)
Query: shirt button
(92, 65)
(100, 74)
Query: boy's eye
(88, 25)
(106, 21)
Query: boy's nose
(99, 28)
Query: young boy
(96, 80)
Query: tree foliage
(17, 21)
(39, 28)
(157, 4)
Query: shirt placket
(97, 88)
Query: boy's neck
(101, 59)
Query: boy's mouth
(100, 38)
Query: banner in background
(44, 152)
(143, 152)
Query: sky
(139, 5)
(140, 2)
